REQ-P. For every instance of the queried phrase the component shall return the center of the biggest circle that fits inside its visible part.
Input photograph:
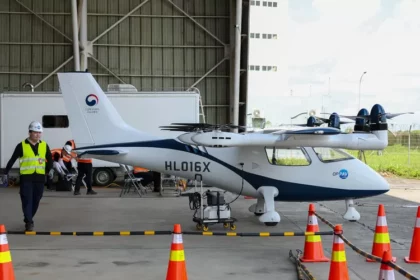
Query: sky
(326, 45)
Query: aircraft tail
(93, 118)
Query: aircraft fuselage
(299, 174)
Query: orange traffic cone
(338, 267)
(415, 244)
(313, 251)
(6, 266)
(381, 241)
(386, 272)
(177, 269)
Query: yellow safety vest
(29, 163)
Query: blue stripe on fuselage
(288, 191)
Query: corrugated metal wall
(156, 48)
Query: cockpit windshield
(287, 156)
(331, 154)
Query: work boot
(91, 192)
(29, 226)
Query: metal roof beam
(208, 72)
(119, 21)
(197, 23)
(107, 69)
(42, 19)
(53, 72)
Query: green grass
(394, 160)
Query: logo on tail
(91, 100)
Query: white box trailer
(143, 110)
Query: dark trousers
(147, 177)
(157, 181)
(84, 169)
(30, 194)
(49, 183)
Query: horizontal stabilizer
(103, 152)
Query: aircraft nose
(381, 184)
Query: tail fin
(93, 118)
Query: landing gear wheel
(271, 224)
(225, 225)
(205, 228)
(103, 176)
(258, 214)
(199, 227)
(232, 226)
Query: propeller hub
(378, 118)
(334, 121)
(311, 122)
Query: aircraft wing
(103, 152)
(289, 138)
(388, 115)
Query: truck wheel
(103, 177)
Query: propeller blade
(323, 119)
(305, 124)
(390, 116)
(355, 117)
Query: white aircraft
(298, 165)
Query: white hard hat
(67, 148)
(35, 126)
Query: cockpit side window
(287, 156)
(331, 154)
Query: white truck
(143, 110)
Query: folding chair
(132, 182)
(170, 185)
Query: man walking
(84, 168)
(35, 162)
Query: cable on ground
(397, 268)
(302, 272)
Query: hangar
(152, 44)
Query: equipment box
(214, 198)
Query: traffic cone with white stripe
(6, 266)
(177, 269)
(414, 256)
(313, 251)
(381, 240)
(338, 266)
(386, 272)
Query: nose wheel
(270, 217)
(351, 214)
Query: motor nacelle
(334, 120)
(373, 122)
(362, 121)
(378, 118)
(311, 122)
